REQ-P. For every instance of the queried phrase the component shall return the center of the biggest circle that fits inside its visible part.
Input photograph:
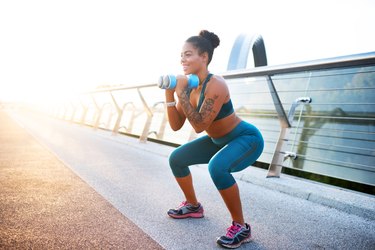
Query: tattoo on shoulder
(192, 114)
(207, 107)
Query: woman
(230, 145)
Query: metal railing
(352, 75)
(317, 116)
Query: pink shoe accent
(186, 210)
(233, 230)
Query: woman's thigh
(198, 151)
(238, 154)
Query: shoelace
(184, 203)
(233, 230)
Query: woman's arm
(215, 95)
(176, 117)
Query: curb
(345, 200)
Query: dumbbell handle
(170, 81)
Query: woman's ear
(204, 56)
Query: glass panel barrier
(335, 134)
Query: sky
(50, 48)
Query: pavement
(44, 205)
(69, 186)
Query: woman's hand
(176, 117)
(169, 94)
(182, 84)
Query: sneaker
(236, 235)
(186, 210)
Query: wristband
(170, 104)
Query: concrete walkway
(44, 205)
(132, 181)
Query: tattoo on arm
(193, 115)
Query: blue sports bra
(225, 110)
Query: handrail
(110, 89)
(328, 63)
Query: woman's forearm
(175, 119)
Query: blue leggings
(231, 153)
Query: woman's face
(191, 61)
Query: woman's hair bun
(211, 37)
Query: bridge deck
(45, 205)
(68, 186)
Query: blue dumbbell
(170, 81)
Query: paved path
(135, 179)
(44, 205)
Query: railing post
(281, 154)
(84, 113)
(120, 112)
(132, 118)
(277, 103)
(146, 131)
(150, 114)
(101, 113)
(146, 128)
(98, 113)
(163, 124)
(275, 167)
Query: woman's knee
(177, 164)
(220, 176)
(174, 158)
